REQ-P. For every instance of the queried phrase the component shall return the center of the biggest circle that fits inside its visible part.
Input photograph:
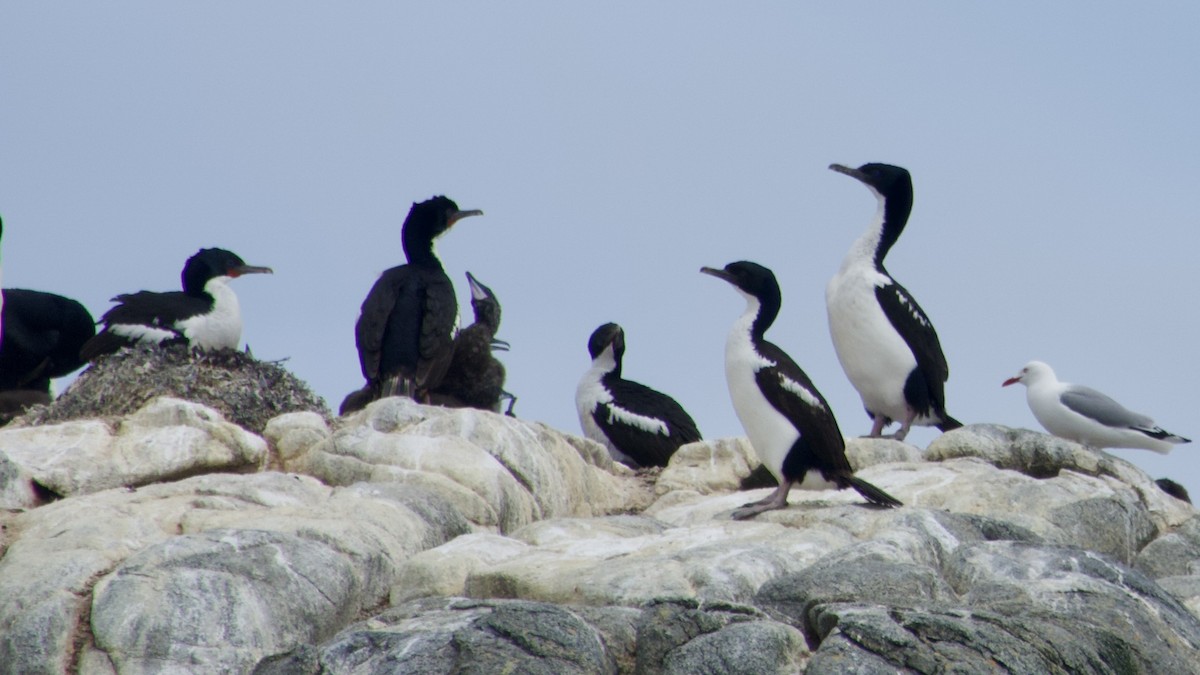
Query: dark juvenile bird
(884, 341)
(475, 378)
(405, 331)
(205, 314)
(638, 425)
(790, 425)
(42, 336)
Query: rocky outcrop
(165, 440)
(405, 538)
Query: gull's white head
(1032, 373)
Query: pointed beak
(499, 345)
(720, 274)
(478, 290)
(459, 215)
(1011, 380)
(853, 173)
(238, 271)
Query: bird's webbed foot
(773, 501)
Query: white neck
(863, 249)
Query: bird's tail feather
(948, 423)
(872, 493)
(1162, 434)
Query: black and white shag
(205, 314)
(789, 423)
(639, 426)
(884, 340)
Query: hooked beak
(238, 271)
(459, 215)
(1011, 380)
(720, 274)
(853, 173)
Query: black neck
(896, 208)
(769, 302)
(419, 251)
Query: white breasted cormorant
(205, 314)
(884, 341)
(787, 420)
(638, 425)
(405, 331)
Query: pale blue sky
(615, 150)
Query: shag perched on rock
(405, 331)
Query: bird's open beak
(853, 173)
(499, 345)
(238, 271)
(459, 215)
(1011, 380)
(720, 274)
(478, 290)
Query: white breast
(589, 394)
(876, 359)
(771, 434)
(1061, 421)
(222, 327)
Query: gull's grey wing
(1097, 406)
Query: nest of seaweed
(248, 392)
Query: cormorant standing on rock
(790, 425)
(405, 330)
(884, 341)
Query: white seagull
(1086, 416)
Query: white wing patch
(140, 333)
(632, 419)
(800, 390)
(912, 309)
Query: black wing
(405, 325)
(790, 391)
(43, 334)
(914, 326)
(643, 444)
(437, 330)
(374, 318)
(144, 308)
(160, 310)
